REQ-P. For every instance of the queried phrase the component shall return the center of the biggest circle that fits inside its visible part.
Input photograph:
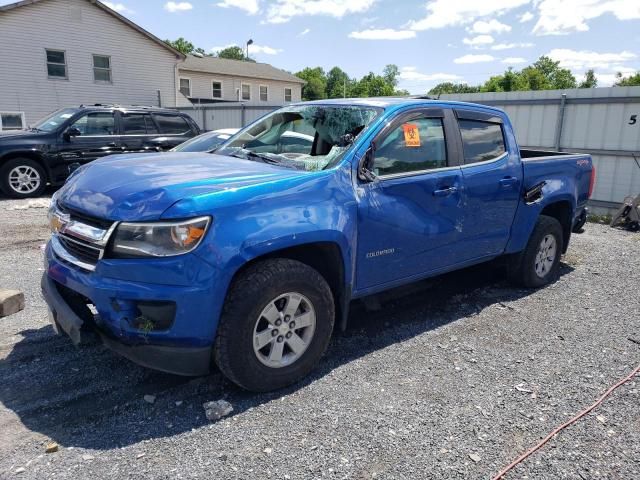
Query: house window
(264, 93)
(245, 91)
(287, 94)
(216, 89)
(185, 87)
(11, 121)
(102, 68)
(56, 64)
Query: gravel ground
(451, 379)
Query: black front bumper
(188, 361)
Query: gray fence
(604, 122)
(214, 117)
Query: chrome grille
(81, 249)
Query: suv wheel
(22, 178)
(276, 324)
(538, 264)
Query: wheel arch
(561, 210)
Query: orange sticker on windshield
(411, 135)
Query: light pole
(249, 42)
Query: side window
(413, 146)
(172, 124)
(151, 127)
(96, 123)
(481, 141)
(134, 124)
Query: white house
(59, 53)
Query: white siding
(140, 67)
(201, 87)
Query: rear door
(139, 133)
(174, 129)
(409, 219)
(492, 180)
(97, 138)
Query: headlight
(158, 239)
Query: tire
(527, 268)
(256, 302)
(22, 169)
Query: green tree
(182, 45)
(590, 80)
(450, 87)
(338, 83)
(391, 73)
(233, 53)
(531, 78)
(316, 86)
(372, 85)
(559, 78)
(630, 81)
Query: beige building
(60, 53)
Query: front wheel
(276, 324)
(22, 178)
(538, 264)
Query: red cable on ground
(522, 457)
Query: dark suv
(55, 146)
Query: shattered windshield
(305, 137)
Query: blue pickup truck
(249, 256)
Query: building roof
(239, 68)
(111, 12)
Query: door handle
(445, 192)
(508, 182)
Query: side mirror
(72, 132)
(365, 167)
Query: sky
(431, 41)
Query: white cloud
(118, 7)
(446, 13)
(492, 26)
(383, 34)
(281, 11)
(479, 41)
(249, 6)
(411, 74)
(525, 17)
(608, 79)
(508, 46)
(567, 16)
(177, 6)
(304, 32)
(253, 49)
(474, 59)
(514, 60)
(585, 59)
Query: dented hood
(142, 186)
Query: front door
(94, 136)
(409, 218)
(492, 175)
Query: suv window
(481, 141)
(138, 124)
(415, 145)
(96, 123)
(172, 124)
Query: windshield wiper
(249, 155)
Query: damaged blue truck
(248, 257)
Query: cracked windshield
(311, 137)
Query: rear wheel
(276, 324)
(538, 264)
(22, 178)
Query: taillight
(592, 181)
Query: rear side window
(134, 124)
(413, 146)
(172, 124)
(481, 141)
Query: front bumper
(183, 348)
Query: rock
(217, 409)
(87, 457)
(51, 447)
(475, 457)
(149, 398)
(19, 470)
(268, 450)
(11, 301)
(601, 419)
(140, 455)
